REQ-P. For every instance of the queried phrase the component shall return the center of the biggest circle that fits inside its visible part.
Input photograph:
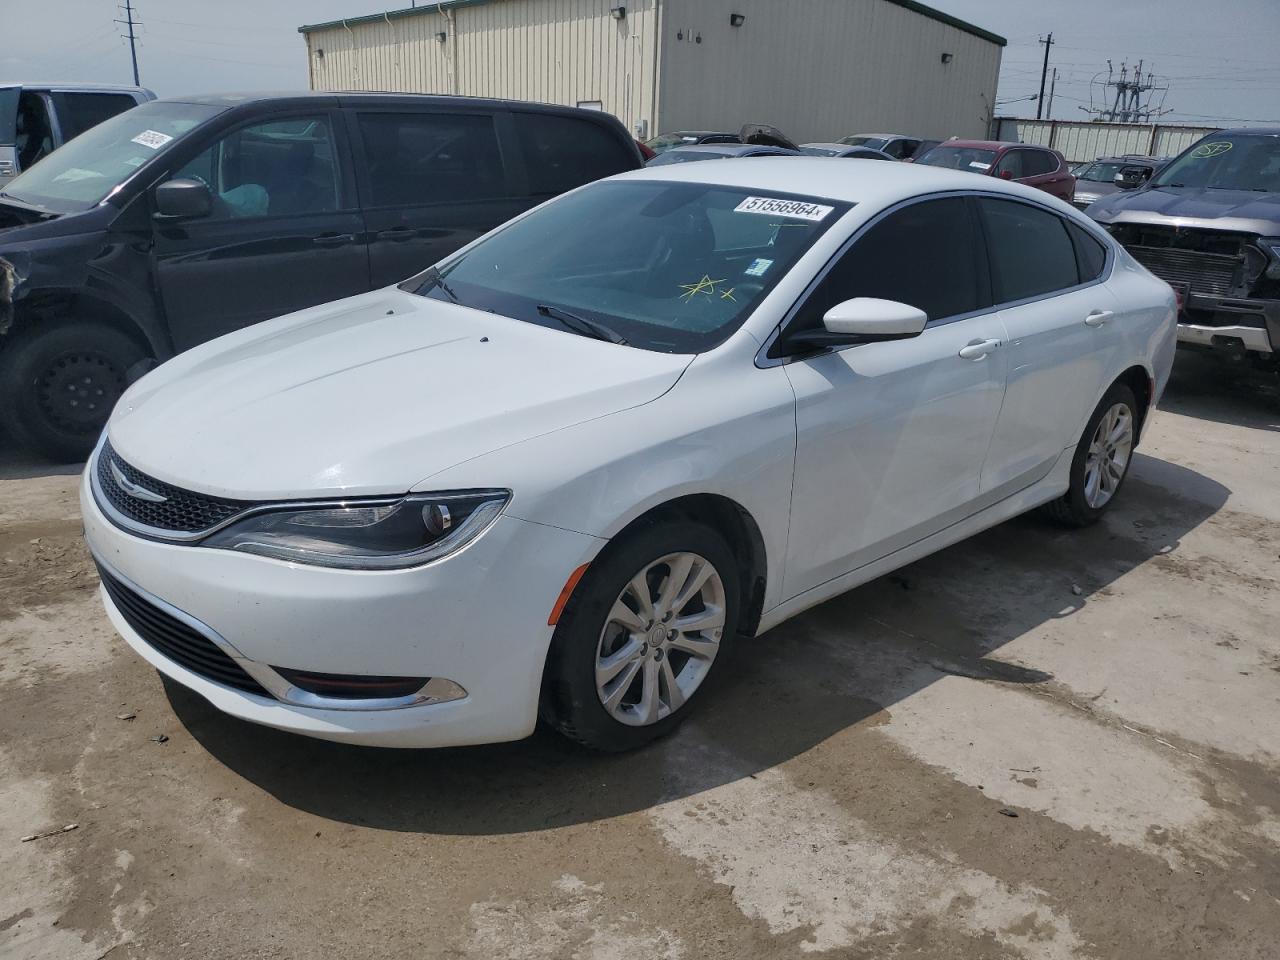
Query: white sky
(1219, 56)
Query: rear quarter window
(1091, 255)
(561, 153)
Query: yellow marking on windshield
(705, 286)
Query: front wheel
(636, 645)
(1101, 461)
(59, 383)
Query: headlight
(367, 535)
(1273, 247)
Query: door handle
(396, 233)
(333, 239)
(1098, 317)
(978, 349)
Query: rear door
(432, 180)
(1042, 169)
(284, 232)
(1045, 273)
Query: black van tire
(59, 383)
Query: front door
(891, 437)
(431, 182)
(284, 232)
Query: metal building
(818, 69)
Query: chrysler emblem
(135, 490)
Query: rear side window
(1091, 255)
(1038, 162)
(77, 112)
(561, 152)
(419, 158)
(922, 255)
(1031, 252)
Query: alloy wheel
(1108, 457)
(660, 638)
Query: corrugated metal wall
(553, 51)
(1084, 140)
(823, 69)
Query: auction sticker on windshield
(152, 138)
(774, 207)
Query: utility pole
(129, 22)
(1048, 110)
(1044, 74)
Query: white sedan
(565, 471)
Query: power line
(130, 23)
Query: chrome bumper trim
(1253, 338)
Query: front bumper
(1228, 322)
(478, 618)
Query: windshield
(1239, 161)
(671, 267)
(973, 159)
(875, 143)
(666, 141)
(86, 170)
(1103, 172)
(685, 156)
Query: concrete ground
(1036, 744)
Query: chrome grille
(180, 511)
(1211, 273)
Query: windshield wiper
(436, 279)
(588, 328)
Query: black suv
(1208, 223)
(181, 220)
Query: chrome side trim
(436, 689)
(1253, 338)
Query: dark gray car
(718, 152)
(1208, 223)
(843, 150)
(1106, 175)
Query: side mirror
(1130, 178)
(183, 198)
(863, 320)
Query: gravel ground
(1036, 744)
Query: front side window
(561, 153)
(672, 267)
(1234, 161)
(1011, 166)
(923, 255)
(973, 159)
(1031, 252)
(276, 169)
(91, 166)
(416, 158)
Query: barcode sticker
(774, 207)
(152, 138)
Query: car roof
(302, 97)
(64, 86)
(881, 136)
(726, 149)
(1125, 158)
(835, 146)
(833, 178)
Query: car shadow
(19, 464)
(836, 666)
(1208, 387)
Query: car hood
(370, 395)
(1094, 188)
(1237, 210)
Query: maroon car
(1037, 167)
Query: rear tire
(608, 645)
(1101, 461)
(59, 383)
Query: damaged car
(1208, 223)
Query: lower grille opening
(174, 639)
(353, 686)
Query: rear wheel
(635, 647)
(59, 383)
(1101, 461)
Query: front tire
(638, 641)
(1101, 461)
(59, 383)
